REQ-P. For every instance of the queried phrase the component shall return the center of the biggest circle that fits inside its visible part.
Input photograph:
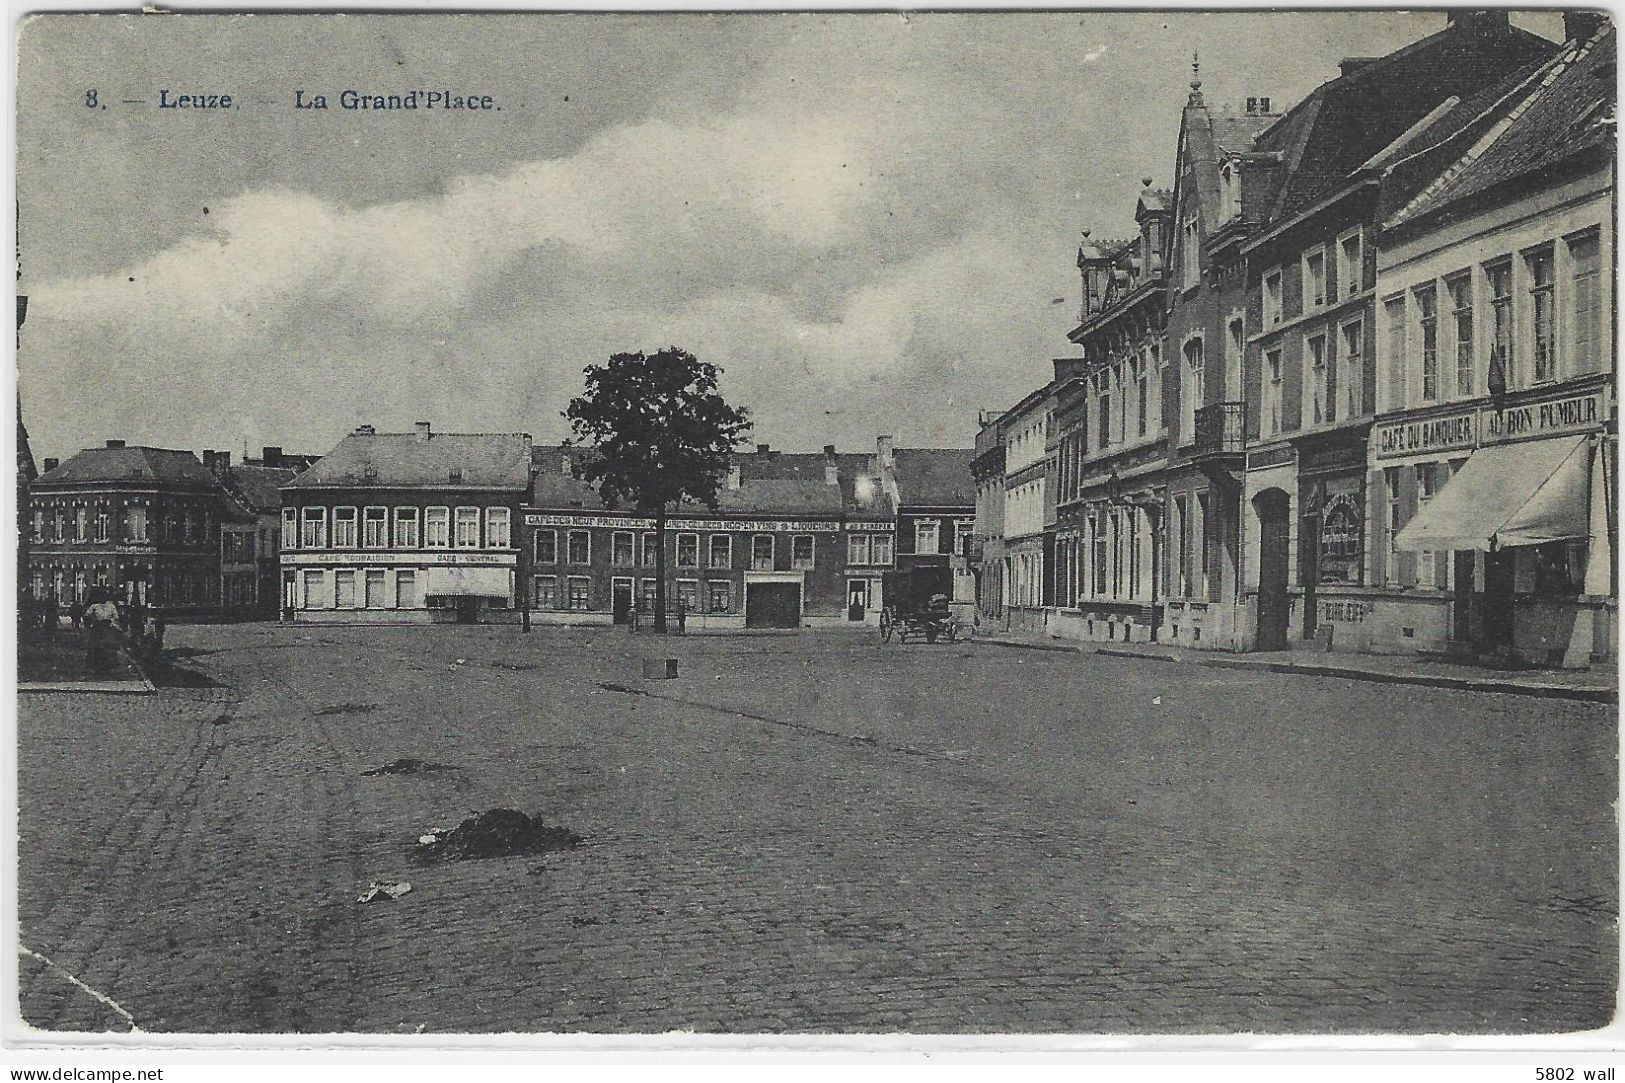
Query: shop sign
(618, 522)
(1568, 414)
(1341, 529)
(763, 526)
(1424, 435)
(361, 559)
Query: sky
(869, 222)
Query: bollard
(660, 669)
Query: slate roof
(1529, 133)
(408, 461)
(1233, 133)
(1345, 121)
(147, 464)
(257, 486)
(935, 477)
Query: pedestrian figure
(158, 627)
(102, 617)
(76, 613)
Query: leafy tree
(662, 434)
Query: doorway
(1274, 542)
(468, 609)
(857, 599)
(1495, 626)
(621, 601)
(772, 605)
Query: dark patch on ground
(409, 766)
(498, 832)
(346, 708)
(165, 674)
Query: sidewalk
(1596, 685)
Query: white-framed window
(104, 523)
(406, 588)
(1314, 382)
(290, 528)
(315, 588)
(344, 596)
(544, 592)
(406, 528)
(722, 551)
(1350, 263)
(857, 548)
(1142, 395)
(313, 528)
(801, 551)
(437, 528)
(373, 589)
(580, 593)
(880, 549)
(649, 591)
(1427, 326)
(39, 524)
(925, 536)
(546, 546)
(621, 545)
(688, 595)
(497, 528)
(761, 552)
(1314, 279)
(375, 528)
(719, 596)
(135, 524)
(1273, 398)
(1498, 276)
(1392, 522)
(650, 541)
(1584, 339)
(344, 528)
(1191, 391)
(1351, 370)
(1273, 297)
(1393, 324)
(688, 550)
(1177, 544)
(1459, 289)
(1542, 313)
(580, 548)
(81, 523)
(1235, 346)
(468, 528)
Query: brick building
(406, 527)
(935, 497)
(255, 486)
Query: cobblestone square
(808, 833)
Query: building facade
(406, 527)
(1028, 509)
(935, 497)
(1491, 525)
(986, 553)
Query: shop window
(375, 588)
(375, 528)
(722, 551)
(761, 552)
(580, 550)
(406, 589)
(579, 596)
(688, 595)
(315, 589)
(344, 528)
(406, 528)
(547, 547)
(801, 551)
(468, 528)
(497, 528)
(313, 530)
(344, 589)
(620, 548)
(688, 551)
(545, 592)
(437, 528)
(1559, 567)
(720, 596)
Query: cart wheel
(885, 626)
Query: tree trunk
(660, 571)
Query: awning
(1508, 494)
(469, 582)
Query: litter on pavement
(384, 889)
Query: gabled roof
(935, 477)
(257, 486)
(411, 460)
(144, 464)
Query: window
(39, 525)
(1585, 305)
(437, 528)
(406, 528)
(1142, 389)
(620, 549)
(1502, 358)
(719, 596)
(925, 536)
(801, 551)
(1460, 289)
(1392, 522)
(1314, 279)
(545, 592)
(688, 551)
(1394, 320)
(103, 525)
(1234, 345)
(344, 532)
(1429, 565)
(1314, 385)
(313, 534)
(1104, 399)
(649, 592)
(857, 549)
(80, 524)
(1427, 320)
(135, 524)
(1199, 538)
(880, 548)
(375, 588)
(1098, 557)
(579, 589)
(1272, 392)
(651, 548)
(580, 550)
(761, 552)
(406, 589)
(1177, 545)
(375, 528)
(191, 526)
(1350, 267)
(1544, 314)
(344, 588)
(1229, 190)
(315, 588)
(547, 546)
(496, 528)
(1191, 392)
(1190, 255)
(722, 551)
(468, 528)
(688, 594)
(1351, 371)
(1272, 298)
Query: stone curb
(1431, 680)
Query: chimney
(1481, 23)
(1252, 107)
(217, 463)
(365, 430)
(51, 464)
(422, 428)
(762, 449)
(1582, 25)
(832, 466)
(1263, 107)
(883, 450)
(733, 475)
(1351, 64)
(270, 456)
(115, 443)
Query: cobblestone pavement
(810, 833)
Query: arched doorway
(1274, 541)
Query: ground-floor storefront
(182, 583)
(399, 587)
(1108, 560)
(1203, 608)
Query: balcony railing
(1221, 428)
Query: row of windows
(371, 528)
(578, 595)
(634, 549)
(176, 588)
(1323, 279)
(369, 588)
(81, 526)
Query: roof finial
(1196, 69)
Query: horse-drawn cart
(916, 609)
